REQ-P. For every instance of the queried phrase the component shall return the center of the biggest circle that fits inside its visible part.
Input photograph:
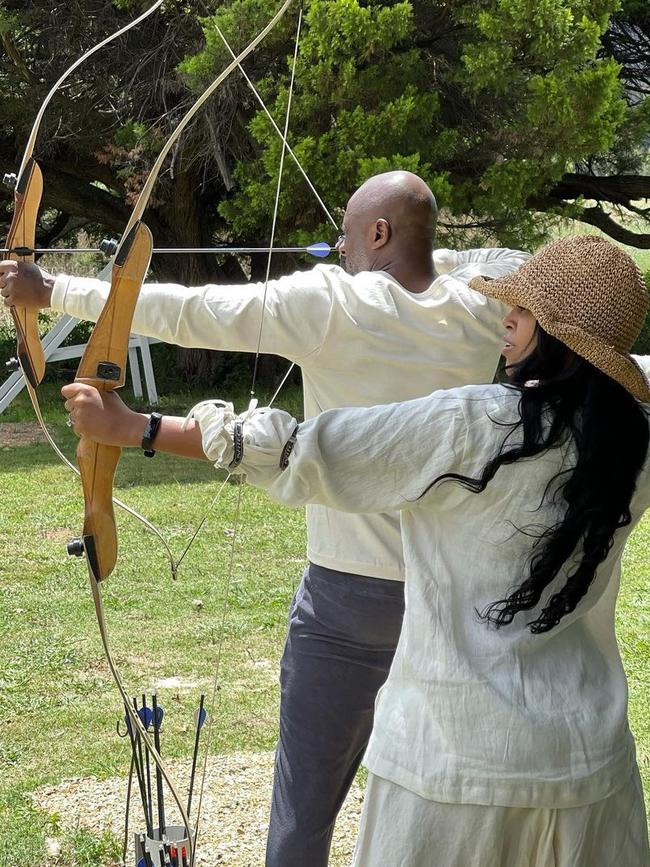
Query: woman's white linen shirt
(469, 714)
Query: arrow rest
(12, 365)
(108, 246)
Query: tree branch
(597, 217)
(617, 189)
(593, 216)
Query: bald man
(396, 321)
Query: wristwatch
(150, 432)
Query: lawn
(58, 705)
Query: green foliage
(515, 94)
(130, 135)
(83, 849)
(361, 110)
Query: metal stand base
(170, 851)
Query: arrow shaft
(199, 725)
(26, 251)
(159, 785)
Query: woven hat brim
(619, 366)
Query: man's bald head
(399, 197)
(390, 219)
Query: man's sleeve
(492, 262)
(494, 256)
(292, 312)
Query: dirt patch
(234, 814)
(20, 433)
(59, 535)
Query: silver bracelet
(237, 445)
(288, 448)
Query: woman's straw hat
(590, 295)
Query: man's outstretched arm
(294, 309)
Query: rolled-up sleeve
(367, 459)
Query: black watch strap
(150, 432)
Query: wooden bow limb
(22, 233)
(104, 360)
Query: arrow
(320, 249)
(134, 740)
(146, 716)
(200, 717)
(157, 720)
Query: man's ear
(381, 234)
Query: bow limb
(143, 198)
(104, 360)
(22, 233)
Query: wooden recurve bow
(103, 366)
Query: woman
(501, 735)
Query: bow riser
(22, 233)
(104, 361)
(103, 366)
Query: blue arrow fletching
(319, 249)
(142, 863)
(199, 717)
(146, 716)
(157, 716)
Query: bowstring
(237, 520)
(289, 149)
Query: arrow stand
(170, 851)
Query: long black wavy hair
(609, 428)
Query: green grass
(58, 706)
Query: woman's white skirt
(401, 829)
